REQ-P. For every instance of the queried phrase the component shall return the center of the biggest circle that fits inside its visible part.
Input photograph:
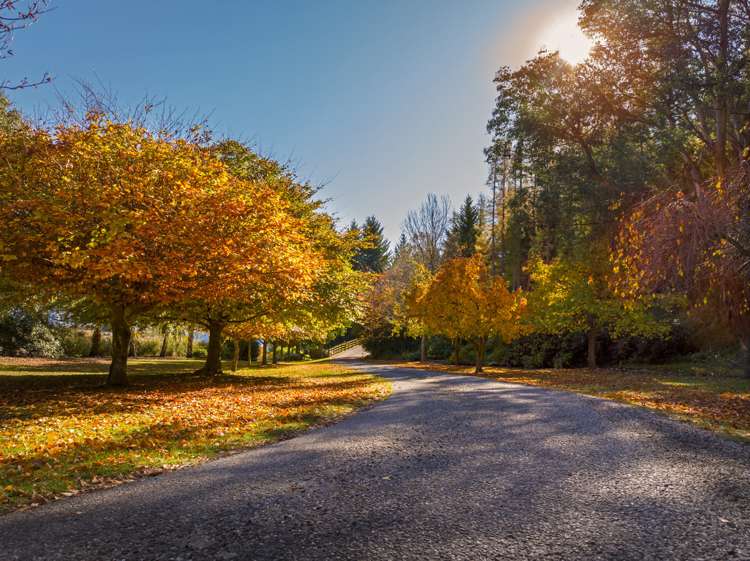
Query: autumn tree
(694, 244)
(465, 300)
(409, 310)
(284, 250)
(131, 220)
(576, 296)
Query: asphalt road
(449, 467)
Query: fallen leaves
(714, 402)
(61, 431)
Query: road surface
(450, 467)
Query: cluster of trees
(110, 221)
(619, 187)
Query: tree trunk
(164, 342)
(457, 351)
(275, 354)
(121, 341)
(249, 353)
(480, 345)
(212, 367)
(423, 349)
(722, 102)
(189, 351)
(264, 353)
(235, 354)
(131, 348)
(591, 353)
(96, 342)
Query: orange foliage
(134, 222)
(60, 431)
(465, 301)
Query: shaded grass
(719, 402)
(62, 431)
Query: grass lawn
(714, 400)
(61, 431)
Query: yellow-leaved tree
(136, 222)
(465, 301)
(575, 296)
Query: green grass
(62, 431)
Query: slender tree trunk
(264, 353)
(190, 337)
(480, 345)
(164, 342)
(591, 351)
(249, 352)
(423, 349)
(722, 110)
(212, 367)
(132, 352)
(121, 340)
(96, 342)
(275, 353)
(235, 354)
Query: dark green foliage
(374, 255)
(383, 344)
(25, 333)
(439, 348)
(464, 231)
(541, 351)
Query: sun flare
(564, 35)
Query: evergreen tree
(374, 254)
(401, 248)
(464, 231)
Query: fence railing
(345, 346)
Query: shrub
(25, 333)
(75, 342)
(200, 352)
(381, 343)
(147, 345)
(439, 348)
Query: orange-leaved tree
(465, 300)
(129, 219)
(278, 268)
(696, 244)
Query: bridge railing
(345, 346)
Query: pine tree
(464, 231)
(402, 247)
(374, 254)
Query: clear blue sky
(384, 101)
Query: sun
(564, 35)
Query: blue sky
(383, 101)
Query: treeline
(118, 222)
(619, 199)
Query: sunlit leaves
(62, 432)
